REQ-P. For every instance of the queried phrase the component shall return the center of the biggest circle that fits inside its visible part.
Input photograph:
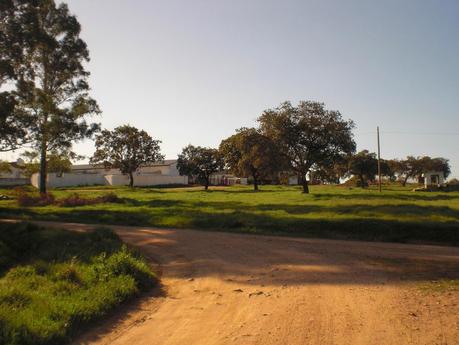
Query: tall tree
(127, 149)
(13, 42)
(364, 165)
(308, 134)
(50, 88)
(200, 163)
(248, 153)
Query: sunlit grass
(55, 282)
(396, 214)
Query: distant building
(15, 176)
(160, 173)
(223, 179)
(434, 179)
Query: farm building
(434, 179)
(15, 176)
(161, 173)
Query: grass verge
(395, 215)
(55, 282)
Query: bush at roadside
(54, 282)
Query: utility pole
(379, 160)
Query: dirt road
(221, 288)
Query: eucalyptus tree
(308, 135)
(13, 42)
(50, 82)
(126, 148)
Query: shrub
(75, 199)
(110, 197)
(28, 200)
(124, 263)
(50, 292)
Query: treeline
(45, 104)
(313, 144)
(363, 166)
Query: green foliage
(308, 135)
(413, 167)
(126, 148)
(248, 153)
(397, 214)
(5, 167)
(58, 162)
(12, 42)
(46, 56)
(55, 282)
(364, 165)
(199, 163)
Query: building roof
(166, 162)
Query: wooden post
(379, 161)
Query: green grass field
(54, 282)
(397, 214)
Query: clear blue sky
(193, 71)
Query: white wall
(68, 180)
(13, 181)
(145, 180)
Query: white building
(161, 173)
(15, 176)
(433, 179)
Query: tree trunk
(362, 181)
(255, 182)
(43, 168)
(206, 186)
(304, 182)
(404, 181)
(131, 180)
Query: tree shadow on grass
(242, 219)
(377, 196)
(357, 209)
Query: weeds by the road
(54, 282)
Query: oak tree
(126, 148)
(248, 153)
(364, 165)
(199, 163)
(308, 135)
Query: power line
(410, 133)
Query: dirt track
(221, 288)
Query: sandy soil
(221, 288)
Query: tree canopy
(248, 153)
(364, 165)
(308, 135)
(43, 57)
(126, 148)
(199, 163)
